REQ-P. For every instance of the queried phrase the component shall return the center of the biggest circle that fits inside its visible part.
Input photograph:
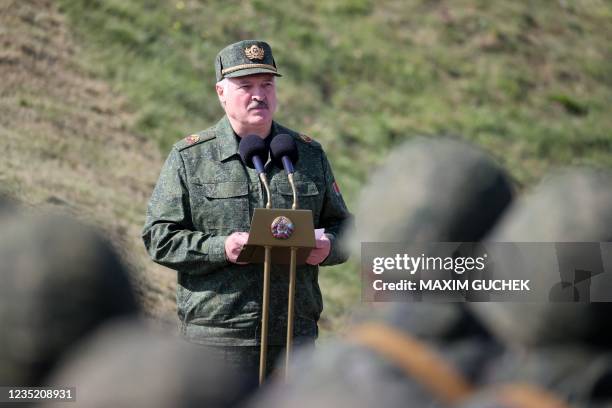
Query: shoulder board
(194, 139)
(307, 140)
(299, 137)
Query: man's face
(250, 101)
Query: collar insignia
(305, 138)
(192, 139)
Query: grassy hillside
(67, 145)
(529, 81)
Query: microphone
(253, 151)
(284, 154)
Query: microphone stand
(262, 177)
(294, 206)
(266, 292)
(265, 308)
(251, 150)
(291, 295)
(260, 237)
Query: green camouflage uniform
(205, 193)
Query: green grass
(531, 82)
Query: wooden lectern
(281, 236)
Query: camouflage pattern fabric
(205, 193)
(246, 359)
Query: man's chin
(260, 112)
(260, 119)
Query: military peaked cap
(243, 58)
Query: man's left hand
(321, 250)
(234, 244)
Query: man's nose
(258, 94)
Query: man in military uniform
(201, 209)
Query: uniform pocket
(225, 189)
(308, 196)
(303, 189)
(223, 206)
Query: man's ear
(220, 93)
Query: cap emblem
(254, 52)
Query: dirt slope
(64, 141)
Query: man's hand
(233, 246)
(321, 250)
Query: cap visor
(250, 71)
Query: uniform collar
(228, 140)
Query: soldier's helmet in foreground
(427, 190)
(572, 206)
(562, 351)
(60, 280)
(432, 190)
(129, 365)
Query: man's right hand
(234, 244)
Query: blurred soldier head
(573, 206)
(60, 280)
(432, 191)
(427, 190)
(128, 365)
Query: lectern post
(290, 308)
(283, 237)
